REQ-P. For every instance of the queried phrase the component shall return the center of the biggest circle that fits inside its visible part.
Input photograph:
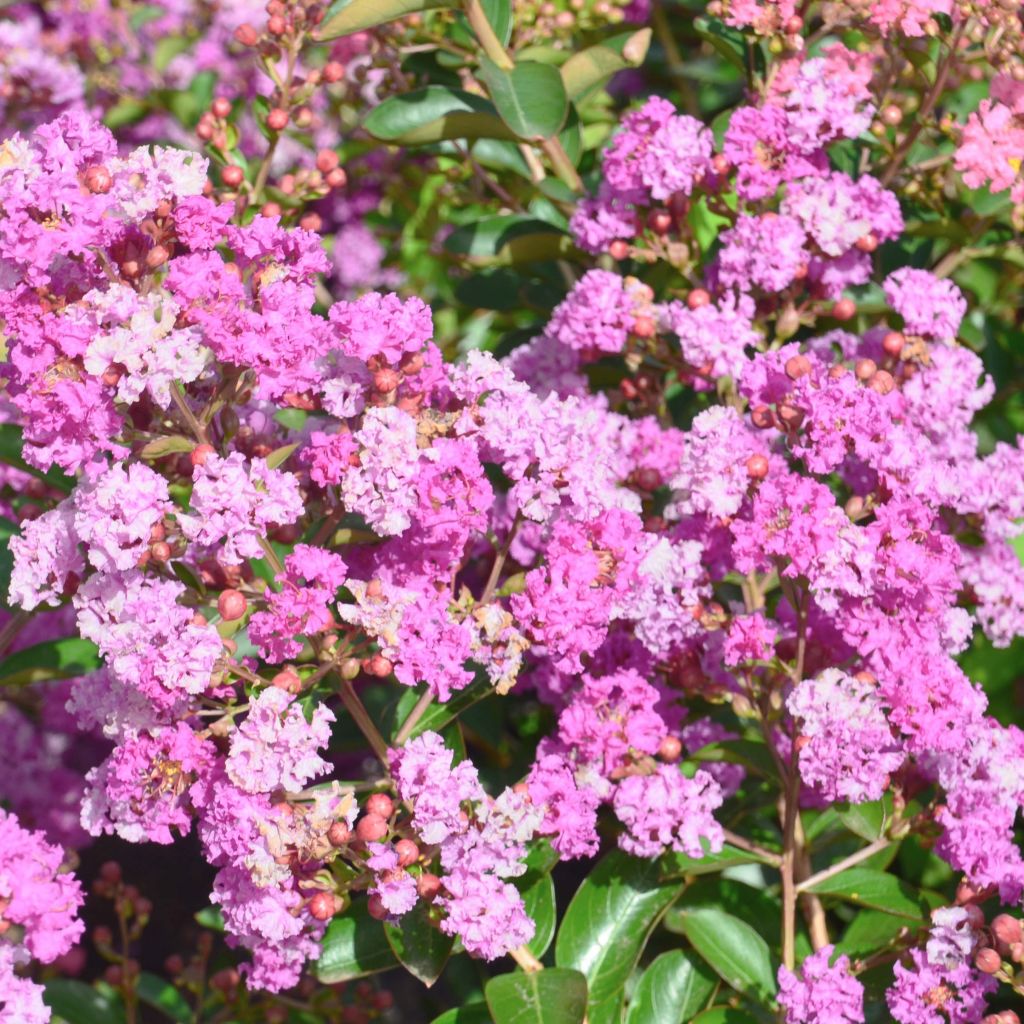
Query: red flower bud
(370, 828)
(644, 327)
(288, 680)
(233, 175)
(221, 107)
(1007, 928)
(339, 834)
(618, 250)
(375, 908)
(232, 605)
(277, 119)
(988, 961)
(762, 417)
(380, 804)
(428, 886)
(697, 298)
(892, 343)
(757, 467)
(98, 179)
(323, 906)
(797, 366)
(200, 454)
(670, 749)
(844, 309)
(408, 852)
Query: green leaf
(734, 949)
(530, 97)
(499, 14)
(678, 865)
(422, 948)
(434, 114)
(552, 996)
(539, 901)
(508, 238)
(54, 659)
(869, 932)
(7, 531)
(590, 68)
(880, 891)
(724, 1015)
(607, 924)
(78, 1003)
(727, 41)
(346, 16)
(355, 945)
(672, 990)
(475, 1013)
(759, 908)
(11, 443)
(865, 820)
(279, 456)
(210, 917)
(159, 992)
(166, 446)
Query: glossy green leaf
(8, 530)
(727, 41)
(678, 865)
(539, 901)
(880, 891)
(734, 949)
(354, 945)
(421, 948)
(552, 996)
(347, 16)
(592, 67)
(77, 1003)
(475, 1013)
(499, 14)
(724, 1015)
(160, 993)
(434, 114)
(530, 97)
(279, 456)
(672, 990)
(759, 908)
(210, 917)
(869, 932)
(173, 445)
(54, 659)
(607, 924)
(865, 820)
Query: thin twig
(361, 717)
(847, 862)
(426, 698)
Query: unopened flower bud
(659, 221)
(428, 886)
(375, 908)
(277, 119)
(334, 71)
(323, 906)
(221, 107)
(233, 175)
(867, 243)
(232, 605)
(670, 749)
(370, 828)
(200, 454)
(157, 257)
(288, 680)
(865, 369)
(892, 343)
(386, 380)
(276, 25)
(697, 298)
(380, 804)
(98, 179)
(762, 417)
(246, 35)
(618, 250)
(797, 366)
(339, 834)
(408, 852)
(844, 309)
(336, 178)
(757, 467)
(1007, 928)
(160, 551)
(988, 961)
(644, 327)
(882, 382)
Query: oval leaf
(530, 98)
(737, 953)
(346, 16)
(553, 996)
(672, 990)
(422, 949)
(590, 68)
(606, 926)
(78, 1003)
(499, 14)
(434, 114)
(166, 446)
(678, 865)
(354, 945)
(539, 901)
(54, 659)
(475, 1013)
(880, 891)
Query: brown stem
(12, 627)
(846, 862)
(178, 396)
(526, 960)
(737, 840)
(361, 717)
(788, 866)
(499, 563)
(926, 108)
(415, 715)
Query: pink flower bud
(323, 906)
(233, 175)
(757, 467)
(408, 852)
(370, 828)
(428, 886)
(380, 804)
(988, 961)
(98, 179)
(232, 605)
